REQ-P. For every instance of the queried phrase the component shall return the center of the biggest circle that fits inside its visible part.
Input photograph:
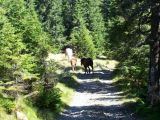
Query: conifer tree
(23, 17)
(90, 12)
(96, 24)
(50, 13)
(82, 40)
(10, 47)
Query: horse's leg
(92, 68)
(75, 67)
(85, 70)
(72, 68)
(89, 69)
(72, 65)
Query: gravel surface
(97, 99)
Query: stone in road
(97, 99)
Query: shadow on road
(98, 89)
(99, 74)
(97, 112)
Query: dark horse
(86, 62)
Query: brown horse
(86, 62)
(73, 63)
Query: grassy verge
(67, 93)
(6, 116)
(66, 85)
(22, 105)
(29, 110)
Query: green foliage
(128, 32)
(26, 43)
(7, 103)
(136, 64)
(95, 24)
(82, 40)
(67, 13)
(50, 13)
(28, 63)
(88, 13)
(11, 45)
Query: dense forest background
(125, 30)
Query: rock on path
(97, 99)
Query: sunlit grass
(67, 93)
(23, 106)
(28, 109)
(5, 116)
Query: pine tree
(50, 13)
(82, 40)
(23, 17)
(68, 11)
(96, 24)
(90, 12)
(11, 46)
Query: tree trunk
(153, 85)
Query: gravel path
(97, 99)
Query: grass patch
(29, 110)
(105, 64)
(22, 105)
(6, 116)
(7, 104)
(67, 93)
(67, 85)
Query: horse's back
(87, 61)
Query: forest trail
(96, 98)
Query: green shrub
(7, 104)
(49, 99)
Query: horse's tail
(91, 63)
(69, 58)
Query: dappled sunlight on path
(97, 99)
